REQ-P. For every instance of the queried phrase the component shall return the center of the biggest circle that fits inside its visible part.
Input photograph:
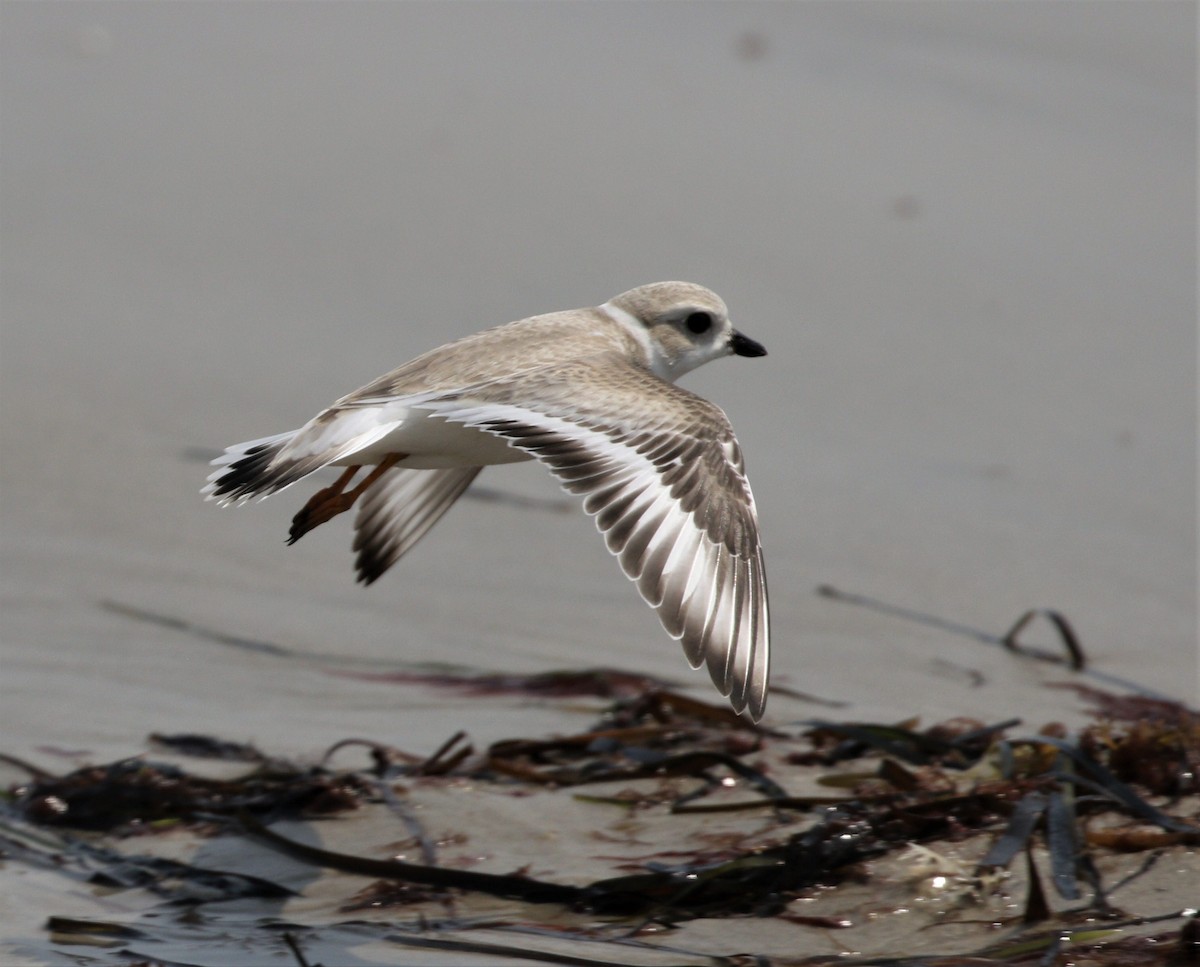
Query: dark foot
(333, 500)
(322, 506)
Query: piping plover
(590, 394)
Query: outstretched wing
(396, 512)
(662, 474)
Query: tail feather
(245, 471)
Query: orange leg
(335, 499)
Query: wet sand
(965, 233)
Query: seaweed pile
(1127, 783)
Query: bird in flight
(591, 395)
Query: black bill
(745, 346)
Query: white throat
(651, 353)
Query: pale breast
(433, 443)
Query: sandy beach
(966, 234)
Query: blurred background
(965, 232)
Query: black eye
(698, 322)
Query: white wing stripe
(696, 560)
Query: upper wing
(361, 419)
(661, 472)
